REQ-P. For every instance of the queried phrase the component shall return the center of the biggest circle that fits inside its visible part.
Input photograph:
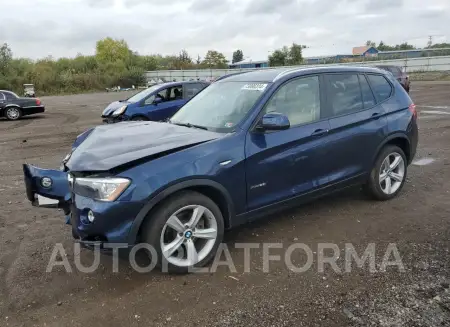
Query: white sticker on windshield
(254, 87)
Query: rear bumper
(33, 110)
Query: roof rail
(229, 75)
(288, 71)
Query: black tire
(154, 223)
(139, 118)
(373, 187)
(13, 113)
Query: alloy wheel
(12, 113)
(188, 236)
(392, 173)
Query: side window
(2, 97)
(192, 89)
(344, 93)
(9, 96)
(299, 100)
(367, 95)
(160, 95)
(380, 86)
(175, 93)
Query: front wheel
(388, 174)
(13, 113)
(185, 230)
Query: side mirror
(274, 121)
(157, 100)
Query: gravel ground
(417, 222)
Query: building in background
(365, 51)
(249, 63)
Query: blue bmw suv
(246, 146)
(156, 103)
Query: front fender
(163, 194)
(59, 189)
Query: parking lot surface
(417, 222)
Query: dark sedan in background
(399, 75)
(12, 107)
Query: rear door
(284, 164)
(358, 125)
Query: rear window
(344, 93)
(380, 86)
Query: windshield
(143, 94)
(221, 106)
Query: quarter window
(380, 86)
(299, 100)
(344, 93)
(368, 98)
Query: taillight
(38, 102)
(412, 108)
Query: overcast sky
(37, 28)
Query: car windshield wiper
(189, 125)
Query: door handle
(319, 132)
(376, 115)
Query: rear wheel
(185, 231)
(13, 113)
(388, 174)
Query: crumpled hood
(109, 146)
(113, 106)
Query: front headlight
(119, 111)
(102, 189)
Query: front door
(171, 100)
(284, 164)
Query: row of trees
(114, 63)
(404, 46)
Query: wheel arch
(398, 139)
(207, 187)
(3, 110)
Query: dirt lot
(418, 222)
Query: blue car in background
(157, 103)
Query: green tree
(215, 59)
(287, 56)
(110, 50)
(439, 46)
(238, 55)
(5, 58)
(279, 57)
(371, 44)
(295, 54)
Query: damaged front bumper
(47, 188)
(113, 220)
